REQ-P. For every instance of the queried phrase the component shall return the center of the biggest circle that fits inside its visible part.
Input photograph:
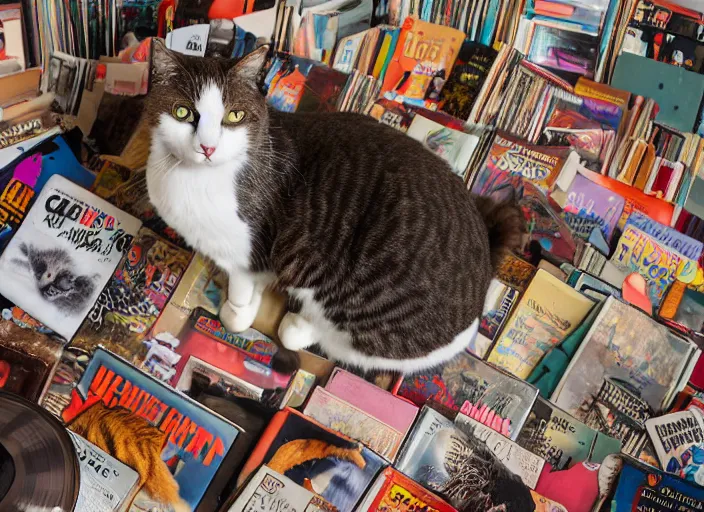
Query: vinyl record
(38, 465)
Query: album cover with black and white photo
(63, 254)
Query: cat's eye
(234, 116)
(182, 113)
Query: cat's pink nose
(208, 150)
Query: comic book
(24, 178)
(500, 300)
(269, 490)
(392, 489)
(548, 311)
(133, 299)
(332, 465)
(422, 61)
(343, 417)
(63, 254)
(477, 389)
(200, 446)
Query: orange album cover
(423, 59)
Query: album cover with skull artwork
(63, 255)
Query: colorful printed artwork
(63, 254)
(642, 487)
(342, 417)
(561, 440)
(678, 439)
(337, 468)
(400, 493)
(591, 206)
(515, 272)
(473, 387)
(25, 178)
(197, 440)
(616, 348)
(500, 300)
(547, 313)
(129, 305)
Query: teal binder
(677, 91)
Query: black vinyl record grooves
(38, 465)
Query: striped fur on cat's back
(385, 255)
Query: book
(591, 206)
(246, 355)
(499, 302)
(667, 236)
(22, 179)
(202, 468)
(515, 272)
(454, 146)
(268, 489)
(466, 78)
(678, 439)
(214, 377)
(134, 297)
(298, 390)
(379, 403)
(540, 165)
(517, 459)
(106, 483)
(640, 252)
(202, 285)
(63, 254)
(477, 389)
(329, 464)
(27, 358)
(561, 440)
(392, 488)
(547, 313)
(439, 456)
(614, 348)
(335, 413)
(643, 487)
(425, 51)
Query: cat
(56, 279)
(384, 254)
(134, 442)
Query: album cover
(246, 355)
(642, 487)
(515, 272)
(388, 408)
(460, 469)
(198, 447)
(547, 313)
(133, 299)
(591, 206)
(477, 389)
(393, 490)
(269, 490)
(329, 464)
(107, 484)
(561, 440)
(678, 439)
(227, 383)
(499, 302)
(615, 348)
(335, 413)
(24, 177)
(63, 255)
(298, 389)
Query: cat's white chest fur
(200, 203)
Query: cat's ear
(164, 62)
(249, 66)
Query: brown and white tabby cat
(385, 255)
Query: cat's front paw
(295, 332)
(238, 318)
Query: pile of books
(583, 389)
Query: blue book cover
(197, 441)
(23, 179)
(642, 487)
